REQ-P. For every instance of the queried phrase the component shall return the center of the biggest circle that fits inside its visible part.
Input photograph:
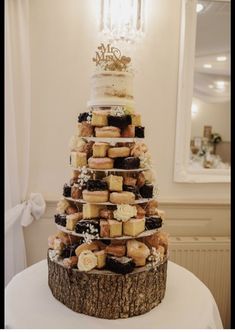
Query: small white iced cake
(111, 86)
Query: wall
(63, 41)
(216, 115)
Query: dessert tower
(108, 258)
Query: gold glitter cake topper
(109, 58)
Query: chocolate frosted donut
(119, 121)
(153, 222)
(83, 116)
(127, 163)
(60, 219)
(69, 250)
(122, 265)
(88, 226)
(67, 190)
(133, 189)
(93, 185)
(146, 191)
(139, 132)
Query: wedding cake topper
(109, 58)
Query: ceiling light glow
(207, 65)
(199, 7)
(221, 58)
(194, 109)
(220, 85)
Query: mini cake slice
(104, 228)
(114, 182)
(101, 258)
(134, 227)
(136, 119)
(78, 159)
(100, 149)
(99, 118)
(91, 210)
(72, 219)
(115, 228)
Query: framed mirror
(202, 143)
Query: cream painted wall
(216, 115)
(63, 41)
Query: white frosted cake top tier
(111, 88)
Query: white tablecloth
(188, 303)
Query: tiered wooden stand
(106, 294)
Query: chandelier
(122, 19)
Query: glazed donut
(86, 246)
(158, 239)
(100, 163)
(107, 131)
(140, 211)
(118, 152)
(116, 250)
(138, 251)
(95, 196)
(138, 149)
(140, 179)
(70, 262)
(106, 213)
(124, 197)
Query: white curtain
(18, 211)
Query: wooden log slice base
(109, 296)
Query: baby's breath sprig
(117, 111)
(83, 177)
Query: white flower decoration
(124, 212)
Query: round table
(188, 303)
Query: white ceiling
(212, 40)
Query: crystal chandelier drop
(122, 19)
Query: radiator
(209, 259)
